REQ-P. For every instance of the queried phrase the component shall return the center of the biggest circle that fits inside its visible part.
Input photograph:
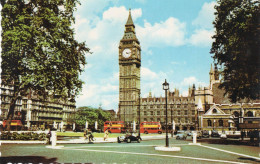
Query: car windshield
(180, 132)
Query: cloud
(151, 81)
(104, 35)
(95, 94)
(202, 38)
(170, 32)
(206, 16)
(189, 81)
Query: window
(214, 111)
(179, 112)
(220, 122)
(145, 113)
(151, 119)
(158, 112)
(151, 112)
(193, 112)
(209, 123)
(249, 114)
(193, 119)
(158, 119)
(185, 112)
(236, 114)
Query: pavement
(134, 152)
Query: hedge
(23, 136)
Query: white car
(223, 136)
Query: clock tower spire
(129, 73)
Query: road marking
(161, 155)
(230, 152)
(125, 145)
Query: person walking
(90, 136)
(106, 135)
(85, 133)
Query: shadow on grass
(249, 159)
(27, 159)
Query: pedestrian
(106, 135)
(90, 137)
(85, 134)
(49, 136)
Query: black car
(205, 134)
(129, 138)
(214, 133)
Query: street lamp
(172, 124)
(139, 113)
(166, 87)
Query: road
(143, 152)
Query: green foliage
(23, 136)
(39, 51)
(236, 47)
(91, 115)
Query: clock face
(126, 53)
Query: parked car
(223, 136)
(199, 134)
(181, 135)
(214, 133)
(205, 134)
(189, 133)
(129, 138)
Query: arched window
(209, 123)
(214, 111)
(220, 122)
(236, 114)
(249, 114)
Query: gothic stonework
(129, 73)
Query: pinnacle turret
(129, 20)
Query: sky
(175, 38)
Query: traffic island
(163, 148)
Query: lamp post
(172, 124)
(139, 113)
(166, 87)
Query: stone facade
(180, 109)
(129, 73)
(36, 112)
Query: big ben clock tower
(129, 73)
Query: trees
(39, 51)
(91, 115)
(236, 47)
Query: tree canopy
(236, 47)
(39, 51)
(92, 115)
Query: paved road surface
(130, 153)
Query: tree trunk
(11, 109)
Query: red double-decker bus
(150, 127)
(114, 126)
(15, 124)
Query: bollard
(53, 138)
(194, 138)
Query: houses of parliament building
(203, 109)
